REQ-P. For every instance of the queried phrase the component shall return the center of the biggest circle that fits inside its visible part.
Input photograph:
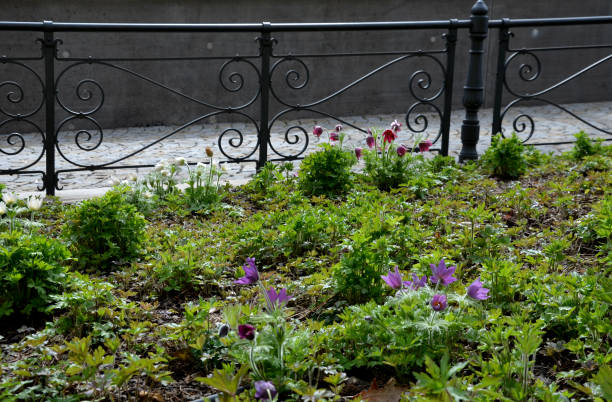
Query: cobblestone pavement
(551, 125)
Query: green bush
(31, 270)
(327, 172)
(103, 230)
(505, 158)
(584, 146)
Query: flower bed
(417, 279)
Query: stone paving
(551, 125)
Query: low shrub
(584, 146)
(104, 230)
(328, 171)
(505, 158)
(31, 270)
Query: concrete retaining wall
(130, 101)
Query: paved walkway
(551, 125)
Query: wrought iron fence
(274, 72)
(525, 65)
(266, 65)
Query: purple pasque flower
(438, 302)
(416, 283)
(264, 390)
(395, 126)
(251, 275)
(425, 145)
(442, 274)
(393, 279)
(338, 128)
(401, 150)
(358, 151)
(246, 331)
(334, 136)
(277, 299)
(317, 131)
(370, 140)
(476, 291)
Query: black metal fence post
(451, 42)
(504, 37)
(473, 91)
(49, 49)
(265, 50)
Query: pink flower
(401, 150)
(358, 151)
(438, 302)
(395, 126)
(476, 291)
(334, 136)
(425, 145)
(389, 136)
(317, 131)
(370, 141)
(338, 128)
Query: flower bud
(209, 152)
(370, 140)
(224, 330)
(401, 150)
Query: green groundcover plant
(447, 284)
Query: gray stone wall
(132, 101)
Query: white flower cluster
(9, 199)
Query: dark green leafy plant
(584, 146)
(104, 230)
(440, 381)
(505, 158)
(357, 275)
(327, 172)
(31, 271)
